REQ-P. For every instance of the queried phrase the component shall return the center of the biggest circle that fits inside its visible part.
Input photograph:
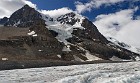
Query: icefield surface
(127, 72)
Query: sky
(119, 19)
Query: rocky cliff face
(38, 43)
(3, 20)
(70, 37)
(24, 17)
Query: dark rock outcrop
(23, 17)
(42, 46)
(3, 20)
(92, 40)
(68, 19)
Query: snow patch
(77, 58)
(78, 24)
(40, 50)
(66, 48)
(88, 55)
(91, 57)
(59, 56)
(16, 23)
(34, 35)
(4, 59)
(137, 58)
(31, 33)
(64, 32)
(115, 58)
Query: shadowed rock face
(42, 46)
(90, 32)
(65, 18)
(23, 17)
(45, 45)
(93, 41)
(3, 20)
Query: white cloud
(109, 24)
(82, 7)
(30, 4)
(130, 33)
(57, 12)
(7, 7)
(121, 26)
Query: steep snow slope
(124, 45)
(64, 25)
(128, 72)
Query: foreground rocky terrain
(30, 35)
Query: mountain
(24, 17)
(123, 45)
(3, 20)
(30, 35)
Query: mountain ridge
(68, 37)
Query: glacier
(126, 72)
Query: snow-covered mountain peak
(64, 25)
(71, 18)
(24, 17)
(72, 36)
